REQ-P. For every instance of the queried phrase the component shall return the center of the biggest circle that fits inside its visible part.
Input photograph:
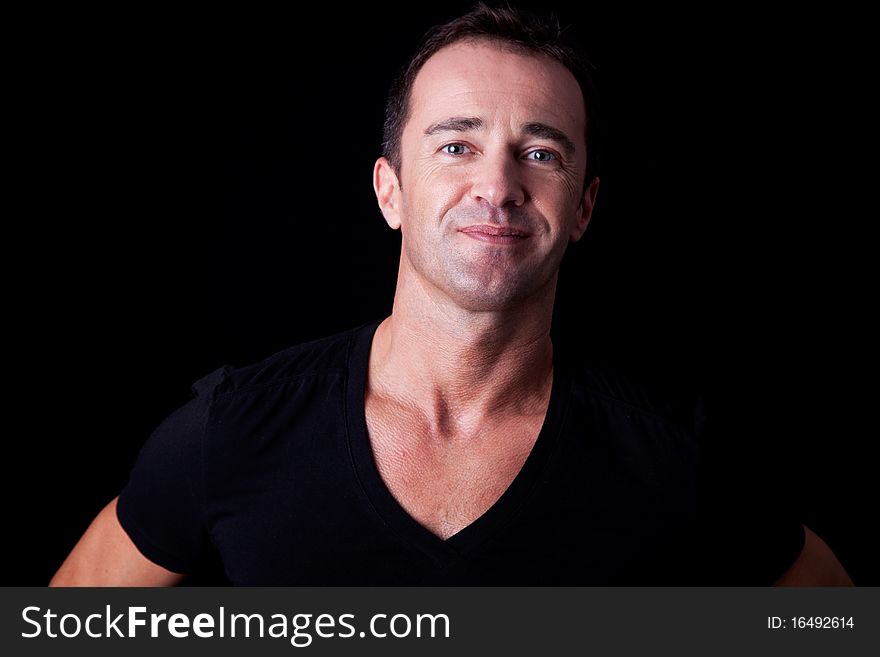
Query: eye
(540, 155)
(454, 149)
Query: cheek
(558, 201)
(433, 190)
(569, 188)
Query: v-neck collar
(389, 509)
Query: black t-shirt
(269, 468)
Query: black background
(195, 190)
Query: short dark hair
(510, 28)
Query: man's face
(491, 180)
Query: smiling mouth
(495, 234)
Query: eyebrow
(455, 124)
(549, 132)
(465, 123)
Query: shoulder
(629, 395)
(328, 356)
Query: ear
(585, 210)
(387, 188)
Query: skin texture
(459, 378)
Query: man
(449, 443)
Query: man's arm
(816, 566)
(105, 556)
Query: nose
(497, 180)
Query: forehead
(479, 78)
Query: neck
(462, 368)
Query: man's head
(489, 185)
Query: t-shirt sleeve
(749, 532)
(162, 506)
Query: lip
(495, 234)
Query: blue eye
(541, 156)
(454, 149)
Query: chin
(483, 297)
